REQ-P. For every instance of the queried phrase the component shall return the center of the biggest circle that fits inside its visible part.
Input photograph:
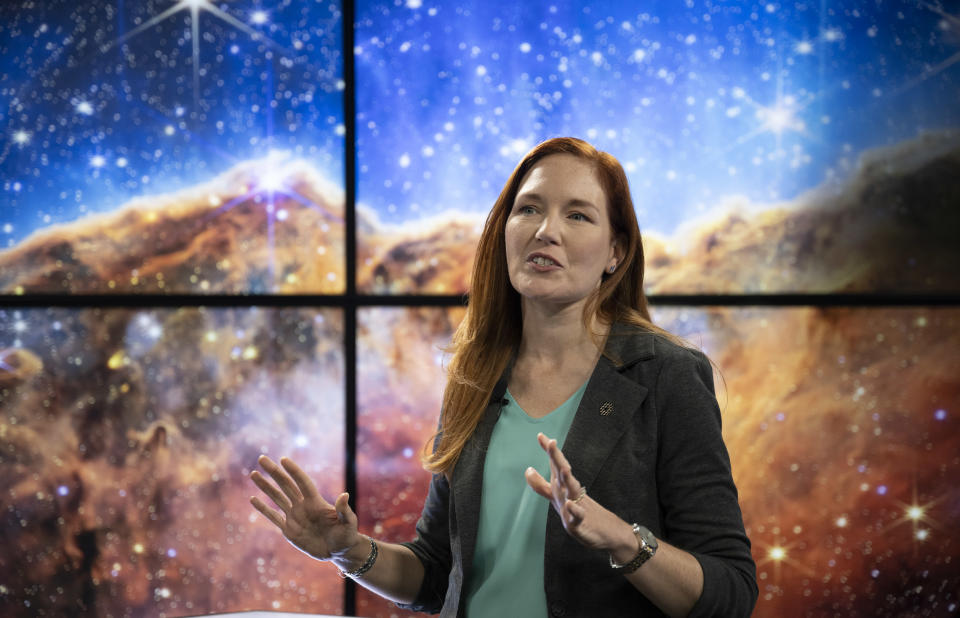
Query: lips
(544, 260)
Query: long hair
(489, 334)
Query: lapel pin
(606, 408)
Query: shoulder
(663, 364)
(628, 344)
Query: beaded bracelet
(366, 566)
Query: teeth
(542, 261)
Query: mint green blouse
(507, 574)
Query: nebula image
(842, 426)
(706, 104)
(125, 443)
(199, 148)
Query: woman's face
(558, 235)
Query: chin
(553, 301)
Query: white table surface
(265, 614)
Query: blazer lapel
(605, 411)
(608, 404)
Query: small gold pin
(606, 408)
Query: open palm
(310, 523)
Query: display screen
(841, 425)
(770, 147)
(126, 439)
(198, 147)
(171, 146)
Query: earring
(612, 268)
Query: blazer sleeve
(698, 499)
(432, 547)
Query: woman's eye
(578, 216)
(526, 210)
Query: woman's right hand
(311, 524)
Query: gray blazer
(656, 457)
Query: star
(832, 35)
(777, 118)
(779, 553)
(803, 47)
(83, 107)
(273, 176)
(195, 7)
(918, 515)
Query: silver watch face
(647, 537)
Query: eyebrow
(576, 203)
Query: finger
(267, 512)
(544, 442)
(304, 483)
(565, 473)
(549, 446)
(558, 458)
(281, 478)
(557, 478)
(537, 483)
(555, 483)
(558, 455)
(272, 492)
(575, 512)
(344, 513)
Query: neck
(553, 335)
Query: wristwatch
(648, 547)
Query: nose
(548, 231)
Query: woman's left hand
(583, 518)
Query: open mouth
(543, 261)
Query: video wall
(197, 148)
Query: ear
(618, 251)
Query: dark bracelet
(366, 566)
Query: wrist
(627, 544)
(648, 545)
(367, 564)
(354, 555)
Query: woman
(560, 388)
